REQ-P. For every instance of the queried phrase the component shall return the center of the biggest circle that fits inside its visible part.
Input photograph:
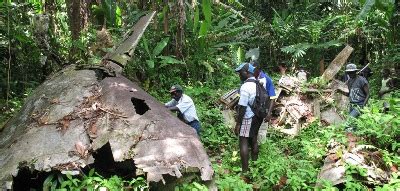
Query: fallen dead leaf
(93, 129)
(55, 101)
(394, 168)
(80, 148)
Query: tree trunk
(321, 66)
(395, 22)
(180, 33)
(166, 24)
(142, 5)
(50, 9)
(78, 13)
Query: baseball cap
(245, 66)
(351, 67)
(175, 88)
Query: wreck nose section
(75, 114)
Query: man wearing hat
(267, 82)
(247, 123)
(268, 85)
(358, 90)
(184, 106)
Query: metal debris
(334, 168)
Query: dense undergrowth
(294, 163)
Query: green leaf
(60, 178)
(196, 19)
(91, 172)
(366, 8)
(168, 60)
(240, 54)
(234, 31)
(69, 176)
(48, 182)
(118, 16)
(65, 184)
(223, 23)
(203, 29)
(228, 44)
(97, 179)
(150, 63)
(146, 47)
(160, 46)
(110, 7)
(54, 185)
(209, 67)
(206, 7)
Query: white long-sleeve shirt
(185, 106)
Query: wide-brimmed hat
(175, 88)
(245, 66)
(351, 67)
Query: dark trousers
(196, 125)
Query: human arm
(241, 108)
(271, 106)
(348, 87)
(171, 103)
(272, 95)
(173, 108)
(383, 92)
(388, 88)
(241, 111)
(366, 90)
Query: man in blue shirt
(266, 81)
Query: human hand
(380, 94)
(268, 118)
(237, 129)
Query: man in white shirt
(247, 124)
(184, 106)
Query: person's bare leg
(244, 153)
(254, 148)
(253, 140)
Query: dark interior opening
(106, 166)
(140, 106)
(28, 179)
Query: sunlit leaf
(196, 19)
(160, 46)
(150, 63)
(366, 8)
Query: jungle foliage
(199, 48)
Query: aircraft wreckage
(77, 112)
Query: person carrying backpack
(252, 109)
